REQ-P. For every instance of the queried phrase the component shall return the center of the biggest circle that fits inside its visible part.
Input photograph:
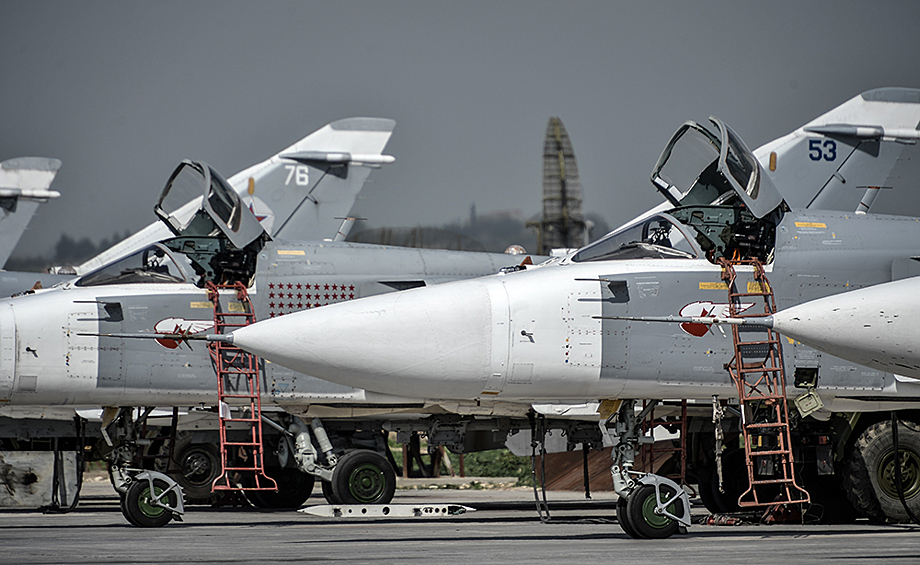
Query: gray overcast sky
(121, 91)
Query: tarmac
(504, 528)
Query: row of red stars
(298, 286)
(302, 305)
(301, 296)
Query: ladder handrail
(761, 382)
(230, 361)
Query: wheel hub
(367, 482)
(910, 473)
(653, 518)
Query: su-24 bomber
(730, 243)
(305, 191)
(163, 288)
(221, 243)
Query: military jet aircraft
(551, 332)
(135, 295)
(162, 288)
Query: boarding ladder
(239, 399)
(757, 371)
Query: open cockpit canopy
(215, 208)
(701, 167)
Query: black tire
(329, 494)
(294, 488)
(364, 477)
(708, 488)
(124, 510)
(623, 518)
(140, 512)
(644, 521)
(199, 465)
(870, 472)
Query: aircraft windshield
(152, 265)
(657, 237)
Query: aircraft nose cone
(401, 343)
(874, 326)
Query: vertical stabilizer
(844, 156)
(24, 185)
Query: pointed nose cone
(875, 326)
(431, 342)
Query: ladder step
(771, 452)
(773, 482)
(762, 425)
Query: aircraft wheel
(623, 518)
(138, 509)
(122, 497)
(329, 494)
(294, 488)
(641, 510)
(364, 477)
(870, 478)
(199, 465)
(708, 487)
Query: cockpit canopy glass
(225, 202)
(687, 172)
(155, 264)
(656, 237)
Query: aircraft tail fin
(306, 190)
(300, 193)
(841, 159)
(24, 184)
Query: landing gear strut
(650, 506)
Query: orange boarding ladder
(239, 399)
(757, 370)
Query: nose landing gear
(650, 506)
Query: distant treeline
(67, 251)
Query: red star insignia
(271, 285)
(259, 217)
(299, 286)
(300, 306)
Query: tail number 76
(300, 174)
